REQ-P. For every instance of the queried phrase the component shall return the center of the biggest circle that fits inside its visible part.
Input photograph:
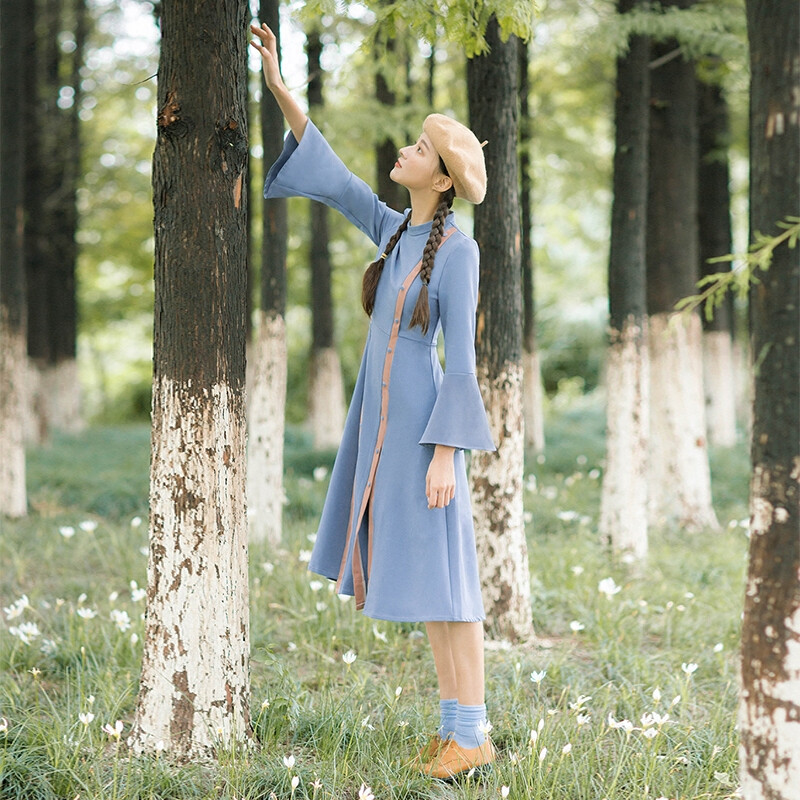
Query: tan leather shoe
(453, 759)
(429, 752)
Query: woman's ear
(442, 182)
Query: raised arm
(267, 46)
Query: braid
(422, 313)
(369, 284)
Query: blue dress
(377, 537)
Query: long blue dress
(377, 537)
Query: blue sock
(470, 726)
(447, 712)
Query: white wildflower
(582, 700)
(538, 677)
(577, 570)
(86, 613)
(320, 473)
(608, 587)
(136, 522)
(115, 731)
(718, 647)
(120, 619)
(378, 634)
(3, 724)
(25, 631)
(88, 525)
(568, 516)
(542, 754)
(349, 657)
(321, 606)
(268, 567)
(86, 717)
(657, 695)
(650, 733)
(689, 668)
(288, 762)
(134, 639)
(17, 607)
(485, 727)
(576, 626)
(291, 647)
(398, 691)
(366, 724)
(504, 790)
(48, 647)
(315, 586)
(566, 749)
(365, 793)
(583, 719)
(67, 531)
(304, 556)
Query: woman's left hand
(440, 482)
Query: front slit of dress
(359, 578)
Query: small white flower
(504, 790)
(321, 606)
(485, 727)
(17, 607)
(650, 733)
(304, 556)
(295, 782)
(288, 762)
(3, 724)
(88, 525)
(608, 587)
(113, 596)
(689, 668)
(398, 691)
(315, 586)
(86, 613)
(265, 703)
(365, 723)
(568, 516)
(380, 635)
(144, 551)
(675, 700)
(580, 702)
(718, 647)
(349, 657)
(134, 639)
(136, 522)
(48, 647)
(538, 677)
(86, 718)
(67, 531)
(540, 725)
(35, 671)
(583, 719)
(594, 474)
(82, 597)
(268, 567)
(365, 793)
(542, 754)
(320, 473)
(291, 647)
(312, 537)
(657, 695)
(120, 619)
(115, 731)
(90, 699)
(138, 594)
(25, 632)
(566, 749)
(576, 626)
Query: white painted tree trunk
(195, 681)
(623, 504)
(326, 409)
(719, 370)
(61, 394)
(679, 480)
(496, 487)
(36, 424)
(13, 372)
(743, 371)
(533, 401)
(266, 411)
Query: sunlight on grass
(628, 692)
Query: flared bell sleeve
(459, 418)
(310, 168)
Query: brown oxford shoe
(429, 752)
(453, 760)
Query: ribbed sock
(447, 712)
(469, 721)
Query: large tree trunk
(533, 391)
(623, 507)
(679, 485)
(195, 682)
(714, 224)
(496, 478)
(326, 410)
(769, 711)
(13, 337)
(267, 399)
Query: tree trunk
(533, 391)
(13, 337)
(679, 484)
(267, 401)
(623, 507)
(496, 478)
(769, 710)
(195, 684)
(326, 411)
(393, 194)
(714, 227)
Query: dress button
(389, 350)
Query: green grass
(618, 655)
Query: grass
(606, 703)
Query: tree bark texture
(716, 239)
(496, 478)
(533, 391)
(13, 344)
(678, 444)
(267, 401)
(623, 507)
(195, 683)
(769, 710)
(326, 411)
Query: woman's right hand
(267, 46)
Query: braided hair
(369, 285)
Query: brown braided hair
(422, 312)
(369, 283)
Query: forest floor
(628, 692)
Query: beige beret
(462, 154)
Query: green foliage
(758, 259)
(617, 653)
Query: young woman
(396, 529)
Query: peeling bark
(496, 485)
(194, 686)
(623, 506)
(533, 400)
(266, 406)
(719, 378)
(326, 410)
(679, 483)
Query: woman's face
(417, 166)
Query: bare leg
(466, 648)
(438, 636)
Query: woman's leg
(465, 641)
(439, 638)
